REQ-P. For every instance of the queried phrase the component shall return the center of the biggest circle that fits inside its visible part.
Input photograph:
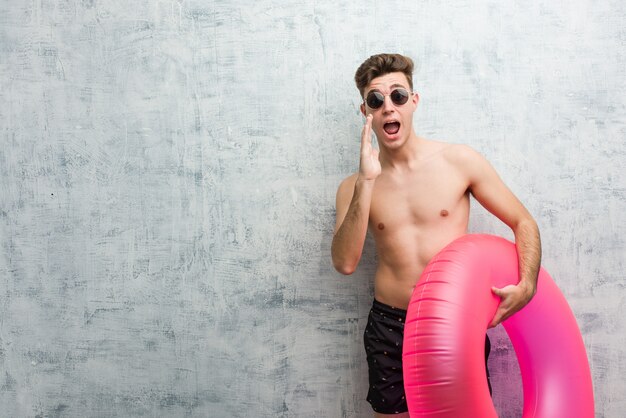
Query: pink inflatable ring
(444, 337)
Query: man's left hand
(512, 299)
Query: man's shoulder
(461, 154)
(350, 179)
(348, 182)
(467, 161)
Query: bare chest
(431, 197)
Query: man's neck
(404, 157)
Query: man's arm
(489, 190)
(353, 208)
(354, 197)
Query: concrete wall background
(167, 181)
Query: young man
(413, 194)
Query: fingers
(498, 318)
(369, 167)
(503, 311)
(497, 292)
(366, 135)
(368, 120)
(511, 301)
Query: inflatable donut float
(444, 338)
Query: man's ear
(363, 109)
(416, 98)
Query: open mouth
(391, 128)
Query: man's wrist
(528, 287)
(365, 181)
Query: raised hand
(369, 168)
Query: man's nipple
(444, 213)
(381, 226)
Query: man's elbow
(344, 267)
(344, 261)
(527, 225)
(345, 270)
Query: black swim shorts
(383, 345)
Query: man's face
(392, 122)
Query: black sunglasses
(375, 99)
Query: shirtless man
(413, 194)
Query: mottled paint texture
(167, 180)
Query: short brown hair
(381, 64)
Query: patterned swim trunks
(383, 346)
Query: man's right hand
(369, 168)
(354, 198)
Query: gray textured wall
(167, 181)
